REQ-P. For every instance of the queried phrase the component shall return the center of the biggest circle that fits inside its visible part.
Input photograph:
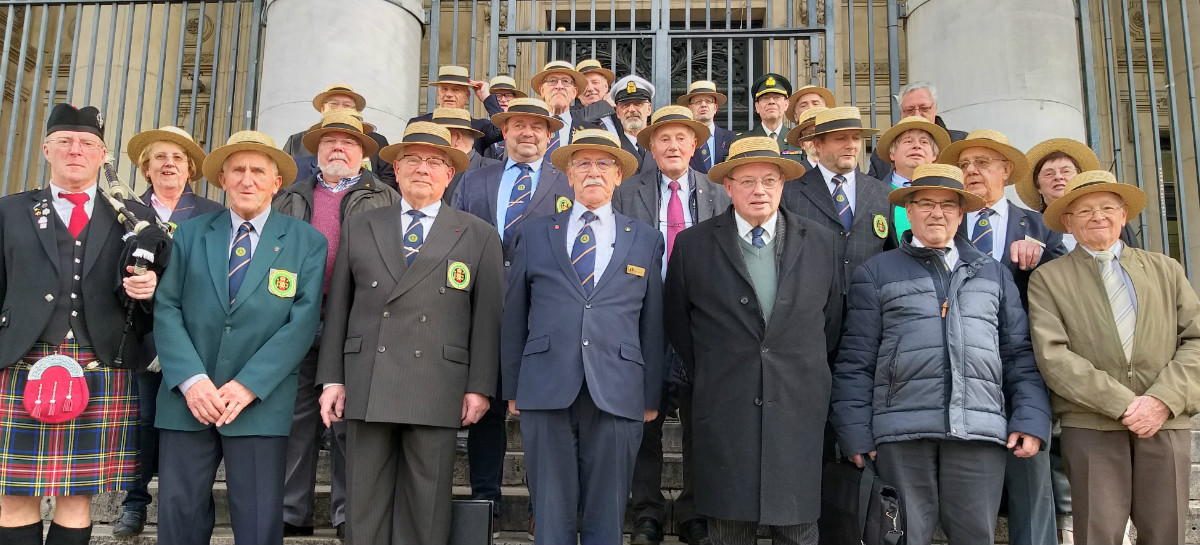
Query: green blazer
(259, 340)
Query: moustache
(593, 180)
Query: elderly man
(230, 342)
(935, 373)
(632, 95)
(840, 197)
(338, 96)
(558, 84)
(409, 351)
(582, 346)
(704, 100)
(1017, 238)
(454, 86)
(771, 92)
(912, 142)
(760, 369)
(918, 98)
(1116, 337)
(168, 159)
(599, 79)
(340, 189)
(505, 90)
(670, 198)
(46, 235)
(462, 138)
(806, 98)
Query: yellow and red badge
(880, 224)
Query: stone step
(223, 535)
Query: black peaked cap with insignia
(771, 83)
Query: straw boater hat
(343, 122)
(993, 140)
(1027, 187)
(248, 141)
(808, 118)
(824, 93)
(339, 89)
(527, 106)
(845, 118)
(505, 83)
(557, 67)
(940, 136)
(935, 176)
(457, 119)
(1093, 181)
(672, 115)
(425, 133)
(594, 139)
(174, 135)
(701, 87)
(754, 149)
(367, 127)
(452, 75)
(593, 65)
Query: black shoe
(290, 530)
(131, 523)
(341, 530)
(495, 526)
(694, 532)
(646, 531)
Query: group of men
(593, 267)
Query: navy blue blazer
(1022, 223)
(555, 338)
(724, 138)
(491, 133)
(479, 190)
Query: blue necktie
(583, 253)
(239, 259)
(981, 235)
(414, 236)
(554, 141)
(757, 239)
(842, 203)
(518, 198)
(706, 151)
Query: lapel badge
(626, 229)
(881, 225)
(458, 275)
(277, 248)
(281, 283)
(983, 223)
(561, 203)
(635, 270)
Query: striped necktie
(414, 236)
(518, 198)
(554, 140)
(583, 253)
(239, 259)
(1119, 300)
(981, 235)
(842, 203)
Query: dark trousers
(579, 457)
(1030, 489)
(956, 482)
(487, 443)
(648, 500)
(138, 496)
(303, 451)
(1117, 476)
(399, 481)
(740, 532)
(187, 467)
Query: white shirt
(161, 209)
(744, 228)
(1116, 249)
(632, 141)
(999, 223)
(848, 186)
(950, 258)
(608, 125)
(712, 142)
(64, 207)
(564, 134)
(431, 212)
(604, 229)
(774, 134)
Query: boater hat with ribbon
(822, 92)
(424, 133)
(939, 135)
(558, 67)
(318, 101)
(1093, 181)
(844, 118)
(527, 106)
(505, 83)
(340, 121)
(754, 149)
(586, 66)
(937, 176)
(174, 135)
(1027, 187)
(248, 141)
(807, 120)
(452, 75)
(993, 140)
(701, 88)
(594, 139)
(456, 119)
(672, 115)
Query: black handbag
(471, 522)
(858, 507)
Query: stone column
(374, 47)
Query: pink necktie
(675, 222)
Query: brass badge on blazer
(635, 270)
(281, 283)
(881, 226)
(561, 203)
(458, 275)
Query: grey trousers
(1116, 476)
(1031, 514)
(740, 532)
(300, 471)
(956, 482)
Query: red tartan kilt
(96, 452)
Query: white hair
(896, 141)
(918, 85)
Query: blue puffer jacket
(927, 353)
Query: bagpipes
(147, 245)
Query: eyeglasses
(912, 110)
(559, 82)
(751, 183)
(174, 157)
(1065, 172)
(980, 163)
(771, 97)
(926, 205)
(67, 143)
(343, 142)
(340, 104)
(703, 101)
(603, 165)
(412, 161)
(1107, 211)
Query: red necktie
(79, 217)
(675, 221)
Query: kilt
(93, 453)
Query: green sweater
(761, 263)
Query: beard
(634, 124)
(337, 171)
